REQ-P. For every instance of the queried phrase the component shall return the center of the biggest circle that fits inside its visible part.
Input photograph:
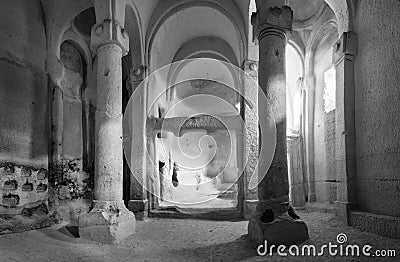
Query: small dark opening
(267, 216)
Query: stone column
(138, 202)
(151, 168)
(308, 86)
(56, 165)
(344, 54)
(251, 138)
(272, 221)
(109, 221)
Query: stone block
(40, 210)
(107, 225)
(283, 230)
(387, 226)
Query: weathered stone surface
(40, 210)
(344, 54)
(108, 167)
(63, 192)
(27, 187)
(10, 200)
(26, 172)
(109, 32)
(179, 125)
(42, 174)
(271, 220)
(251, 139)
(108, 223)
(8, 169)
(282, 231)
(137, 205)
(41, 188)
(387, 226)
(134, 144)
(271, 19)
(11, 185)
(18, 223)
(139, 208)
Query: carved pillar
(138, 194)
(109, 221)
(251, 137)
(271, 220)
(345, 51)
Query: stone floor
(181, 240)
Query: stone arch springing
(344, 11)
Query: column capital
(272, 20)
(109, 32)
(345, 47)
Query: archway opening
(198, 169)
(295, 111)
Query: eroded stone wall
(24, 118)
(377, 114)
(73, 188)
(324, 125)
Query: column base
(249, 208)
(276, 226)
(108, 222)
(343, 210)
(139, 208)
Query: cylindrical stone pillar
(109, 221)
(272, 81)
(108, 154)
(56, 71)
(273, 220)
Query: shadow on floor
(64, 233)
